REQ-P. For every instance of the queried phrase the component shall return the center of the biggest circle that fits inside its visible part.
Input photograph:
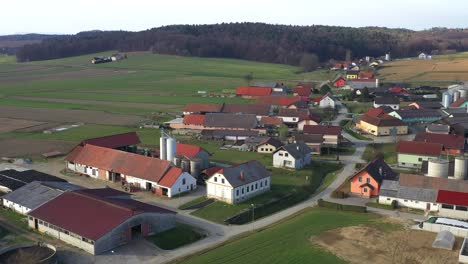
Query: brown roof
(259, 110)
(383, 120)
(272, 141)
(322, 130)
(203, 108)
(194, 120)
(448, 141)
(114, 141)
(458, 102)
(419, 148)
(271, 120)
(425, 182)
(293, 112)
(131, 164)
(228, 120)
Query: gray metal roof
(394, 189)
(36, 193)
(228, 120)
(297, 150)
(245, 173)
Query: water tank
(463, 93)
(195, 167)
(170, 149)
(446, 100)
(456, 95)
(162, 148)
(185, 165)
(177, 161)
(438, 168)
(461, 168)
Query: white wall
(393, 106)
(280, 157)
(16, 207)
(288, 119)
(434, 207)
(266, 148)
(215, 188)
(179, 187)
(327, 102)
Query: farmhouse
(270, 122)
(302, 91)
(352, 75)
(417, 116)
(146, 173)
(411, 154)
(293, 116)
(312, 121)
(231, 121)
(331, 134)
(268, 145)
(389, 101)
(97, 220)
(192, 153)
(32, 195)
(313, 141)
(451, 144)
(379, 123)
(253, 92)
(327, 101)
(339, 81)
(254, 109)
(229, 135)
(438, 129)
(294, 156)
(279, 101)
(11, 180)
(453, 204)
(358, 84)
(366, 75)
(238, 183)
(367, 181)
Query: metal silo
(185, 165)
(170, 149)
(162, 147)
(195, 167)
(463, 93)
(461, 168)
(438, 168)
(456, 95)
(177, 161)
(446, 99)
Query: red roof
(211, 171)
(279, 100)
(398, 90)
(131, 164)
(189, 151)
(302, 91)
(375, 112)
(453, 198)
(458, 102)
(253, 91)
(91, 216)
(448, 141)
(366, 75)
(322, 130)
(317, 99)
(203, 108)
(114, 141)
(419, 148)
(194, 119)
(170, 177)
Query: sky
(70, 17)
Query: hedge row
(342, 207)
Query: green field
(387, 149)
(301, 184)
(286, 242)
(178, 236)
(358, 108)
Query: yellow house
(379, 123)
(352, 74)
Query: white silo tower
(170, 149)
(162, 146)
(461, 168)
(438, 168)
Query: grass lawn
(358, 108)
(193, 202)
(179, 236)
(14, 218)
(302, 183)
(3, 232)
(286, 242)
(387, 149)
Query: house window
(406, 201)
(237, 192)
(261, 149)
(222, 180)
(286, 154)
(261, 185)
(183, 181)
(248, 187)
(388, 199)
(365, 190)
(419, 159)
(215, 179)
(435, 204)
(403, 163)
(461, 208)
(256, 186)
(281, 154)
(447, 206)
(368, 180)
(287, 163)
(266, 182)
(242, 190)
(294, 119)
(360, 179)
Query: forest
(254, 41)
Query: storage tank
(456, 95)
(446, 100)
(162, 148)
(463, 93)
(461, 168)
(195, 167)
(185, 165)
(438, 168)
(170, 149)
(177, 161)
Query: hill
(9, 44)
(253, 41)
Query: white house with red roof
(327, 101)
(98, 220)
(145, 173)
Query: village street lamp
(253, 216)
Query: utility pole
(253, 216)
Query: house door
(148, 186)
(428, 206)
(36, 224)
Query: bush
(394, 204)
(342, 207)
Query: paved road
(216, 233)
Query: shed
(444, 240)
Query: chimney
(242, 176)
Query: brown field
(9, 124)
(426, 70)
(368, 245)
(28, 147)
(68, 116)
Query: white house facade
(292, 156)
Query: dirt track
(67, 115)
(8, 124)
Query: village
(388, 148)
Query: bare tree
(309, 62)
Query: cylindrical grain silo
(162, 147)
(461, 168)
(195, 167)
(177, 161)
(446, 100)
(456, 95)
(185, 165)
(463, 93)
(438, 168)
(170, 149)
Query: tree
(324, 89)
(283, 132)
(309, 62)
(248, 78)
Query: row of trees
(294, 45)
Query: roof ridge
(106, 200)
